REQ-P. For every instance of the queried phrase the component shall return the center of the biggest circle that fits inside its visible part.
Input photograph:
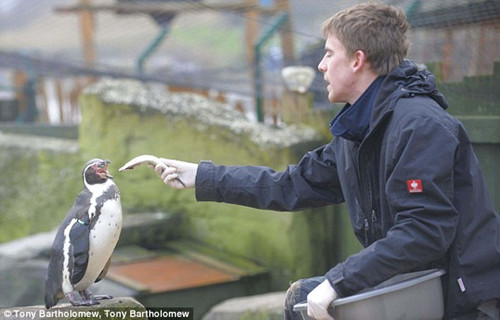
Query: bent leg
(297, 293)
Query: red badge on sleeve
(414, 186)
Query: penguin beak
(103, 169)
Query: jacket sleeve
(424, 219)
(312, 182)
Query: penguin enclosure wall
(185, 88)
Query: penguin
(84, 242)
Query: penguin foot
(87, 295)
(102, 297)
(84, 302)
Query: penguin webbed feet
(88, 299)
(102, 297)
(86, 294)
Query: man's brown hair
(377, 29)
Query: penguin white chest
(102, 241)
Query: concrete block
(267, 306)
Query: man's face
(337, 71)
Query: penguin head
(96, 171)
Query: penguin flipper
(54, 277)
(79, 239)
(53, 284)
(104, 271)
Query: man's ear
(360, 60)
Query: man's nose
(321, 67)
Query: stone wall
(40, 178)
(123, 119)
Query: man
(404, 166)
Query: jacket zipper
(367, 228)
(367, 190)
(370, 225)
(365, 182)
(374, 219)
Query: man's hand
(186, 171)
(319, 299)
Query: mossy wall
(40, 179)
(121, 120)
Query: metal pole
(150, 49)
(266, 35)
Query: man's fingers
(171, 163)
(159, 168)
(166, 171)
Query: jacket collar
(353, 121)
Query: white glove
(185, 171)
(319, 299)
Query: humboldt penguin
(86, 239)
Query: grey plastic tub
(409, 296)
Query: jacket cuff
(205, 183)
(336, 278)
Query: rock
(267, 306)
(29, 247)
(22, 282)
(117, 308)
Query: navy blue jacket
(416, 196)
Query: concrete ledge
(267, 306)
(117, 308)
(41, 129)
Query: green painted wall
(475, 102)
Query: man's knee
(299, 290)
(293, 295)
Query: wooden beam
(60, 99)
(251, 30)
(171, 7)
(286, 34)
(87, 32)
(447, 52)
